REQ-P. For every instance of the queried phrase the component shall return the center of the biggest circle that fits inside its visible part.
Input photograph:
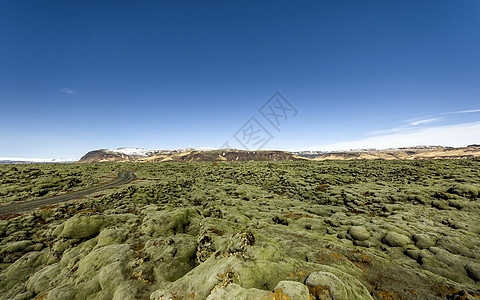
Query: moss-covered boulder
(248, 259)
(359, 233)
(171, 222)
(82, 227)
(293, 290)
(172, 257)
(394, 239)
(326, 285)
(234, 291)
(44, 280)
(424, 241)
(111, 236)
(465, 190)
(21, 269)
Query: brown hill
(104, 155)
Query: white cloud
(458, 135)
(68, 91)
(411, 125)
(466, 111)
(391, 130)
(418, 122)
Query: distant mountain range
(209, 154)
(212, 154)
(191, 154)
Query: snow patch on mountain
(142, 152)
(201, 149)
(134, 151)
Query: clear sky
(83, 75)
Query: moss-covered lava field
(245, 230)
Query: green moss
(81, 227)
(190, 229)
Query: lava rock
(294, 290)
(394, 239)
(359, 233)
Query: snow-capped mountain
(139, 152)
(189, 154)
(134, 151)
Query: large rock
(167, 223)
(359, 233)
(173, 257)
(21, 269)
(423, 241)
(257, 262)
(112, 236)
(473, 271)
(326, 285)
(100, 275)
(468, 191)
(293, 289)
(394, 239)
(234, 291)
(89, 265)
(16, 246)
(82, 227)
(44, 279)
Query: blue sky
(83, 75)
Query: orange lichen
(387, 295)
(302, 273)
(297, 216)
(443, 290)
(321, 258)
(42, 297)
(277, 295)
(319, 292)
(336, 255)
(360, 259)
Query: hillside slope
(188, 155)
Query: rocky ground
(257, 230)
